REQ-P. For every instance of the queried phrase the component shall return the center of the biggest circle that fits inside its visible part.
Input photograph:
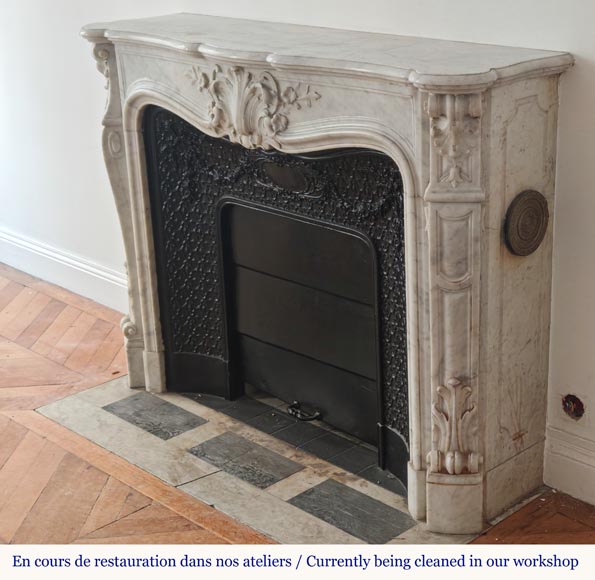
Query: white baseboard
(70, 271)
(570, 464)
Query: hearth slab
(353, 512)
(247, 460)
(337, 449)
(155, 415)
(269, 510)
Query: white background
(497, 554)
(56, 202)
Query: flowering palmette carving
(249, 109)
(454, 132)
(453, 431)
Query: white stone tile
(170, 464)
(295, 484)
(107, 393)
(264, 512)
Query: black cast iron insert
(345, 205)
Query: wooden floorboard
(552, 518)
(30, 335)
(55, 486)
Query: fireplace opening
(301, 303)
(283, 271)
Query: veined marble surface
(470, 126)
(421, 61)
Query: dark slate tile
(155, 415)
(300, 433)
(272, 421)
(355, 459)
(262, 467)
(357, 514)
(383, 479)
(211, 401)
(223, 448)
(327, 445)
(244, 409)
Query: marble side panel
(514, 479)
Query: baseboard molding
(65, 269)
(570, 464)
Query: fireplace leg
(454, 503)
(416, 492)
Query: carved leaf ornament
(454, 430)
(454, 129)
(248, 109)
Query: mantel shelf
(422, 62)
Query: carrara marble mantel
(470, 127)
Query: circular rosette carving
(526, 223)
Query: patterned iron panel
(354, 188)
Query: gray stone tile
(223, 448)
(353, 512)
(327, 445)
(161, 458)
(211, 401)
(247, 460)
(383, 479)
(299, 433)
(355, 459)
(264, 512)
(155, 415)
(245, 409)
(262, 467)
(271, 421)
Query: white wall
(56, 207)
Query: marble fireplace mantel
(470, 127)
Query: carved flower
(290, 95)
(278, 123)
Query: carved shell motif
(247, 109)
